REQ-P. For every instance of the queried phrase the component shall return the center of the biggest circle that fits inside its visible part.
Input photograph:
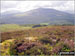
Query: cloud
(23, 6)
(8, 5)
(68, 6)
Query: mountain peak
(44, 9)
(40, 15)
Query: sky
(23, 6)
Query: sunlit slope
(11, 27)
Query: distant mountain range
(37, 16)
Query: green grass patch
(10, 27)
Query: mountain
(10, 13)
(37, 16)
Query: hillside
(37, 16)
(50, 40)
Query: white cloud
(68, 6)
(28, 5)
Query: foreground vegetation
(49, 40)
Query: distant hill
(37, 16)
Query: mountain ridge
(39, 15)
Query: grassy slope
(11, 27)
